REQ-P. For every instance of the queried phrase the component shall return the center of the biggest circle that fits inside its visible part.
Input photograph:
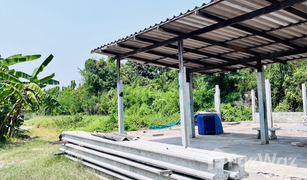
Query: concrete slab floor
(276, 160)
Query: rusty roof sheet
(223, 35)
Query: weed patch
(33, 159)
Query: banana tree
(18, 58)
(26, 96)
(43, 82)
(22, 95)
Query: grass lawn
(33, 159)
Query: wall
(285, 117)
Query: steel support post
(304, 99)
(190, 104)
(217, 100)
(183, 100)
(120, 101)
(262, 105)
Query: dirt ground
(277, 160)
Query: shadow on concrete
(279, 151)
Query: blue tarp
(209, 122)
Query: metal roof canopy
(224, 35)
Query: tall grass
(71, 123)
(33, 159)
(100, 123)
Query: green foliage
(148, 90)
(151, 94)
(245, 80)
(234, 114)
(70, 102)
(203, 96)
(42, 66)
(282, 107)
(147, 71)
(20, 95)
(99, 75)
(18, 58)
(286, 83)
(76, 122)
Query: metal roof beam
(292, 10)
(197, 61)
(279, 61)
(154, 62)
(174, 56)
(271, 30)
(210, 41)
(248, 29)
(222, 44)
(109, 52)
(185, 49)
(265, 35)
(171, 56)
(164, 64)
(262, 57)
(141, 59)
(244, 17)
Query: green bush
(234, 114)
(282, 107)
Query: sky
(70, 29)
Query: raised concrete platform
(276, 160)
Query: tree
(22, 95)
(99, 75)
(286, 83)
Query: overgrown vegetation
(18, 96)
(31, 157)
(152, 92)
(87, 123)
(151, 95)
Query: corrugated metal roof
(223, 35)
